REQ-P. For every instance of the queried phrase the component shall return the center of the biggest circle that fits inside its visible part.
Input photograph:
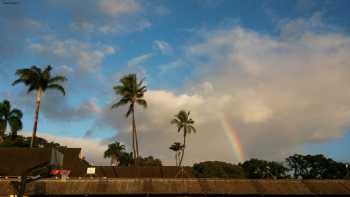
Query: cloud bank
(278, 93)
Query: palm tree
(11, 117)
(126, 159)
(114, 151)
(131, 91)
(38, 80)
(183, 122)
(176, 147)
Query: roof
(141, 172)
(73, 162)
(14, 161)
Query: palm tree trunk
(135, 133)
(176, 158)
(3, 130)
(36, 117)
(183, 150)
(133, 143)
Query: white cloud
(87, 56)
(171, 66)
(57, 107)
(139, 60)
(111, 28)
(162, 46)
(116, 8)
(294, 28)
(107, 16)
(277, 93)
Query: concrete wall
(153, 186)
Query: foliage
(258, 169)
(131, 91)
(149, 161)
(217, 169)
(117, 151)
(183, 123)
(114, 149)
(125, 159)
(21, 141)
(38, 80)
(11, 117)
(177, 148)
(316, 167)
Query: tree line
(296, 166)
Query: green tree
(183, 123)
(298, 165)
(131, 92)
(149, 161)
(38, 80)
(21, 141)
(177, 148)
(261, 169)
(11, 117)
(114, 151)
(126, 159)
(217, 169)
(316, 167)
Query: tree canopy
(258, 169)
(316, 167)
(217, 169)
(37, 79)
(11, 117)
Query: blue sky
(276, 69)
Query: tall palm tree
(177, 148)
(183, 123)
(11, 117)
(131, 92)
(38, 80)
(114, 151)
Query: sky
(262, 79)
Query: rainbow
(231, 133)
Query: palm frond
(57, 87)
(184, 122)
(139, 84)
(15, 124)
(36, 69)
(57, 79)
(36, 78)
(20, 80)
(192, 128)
(142, 102)
(175, 121)
(32, 87)
(16, 113)
(121, 102)
(6, 107)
